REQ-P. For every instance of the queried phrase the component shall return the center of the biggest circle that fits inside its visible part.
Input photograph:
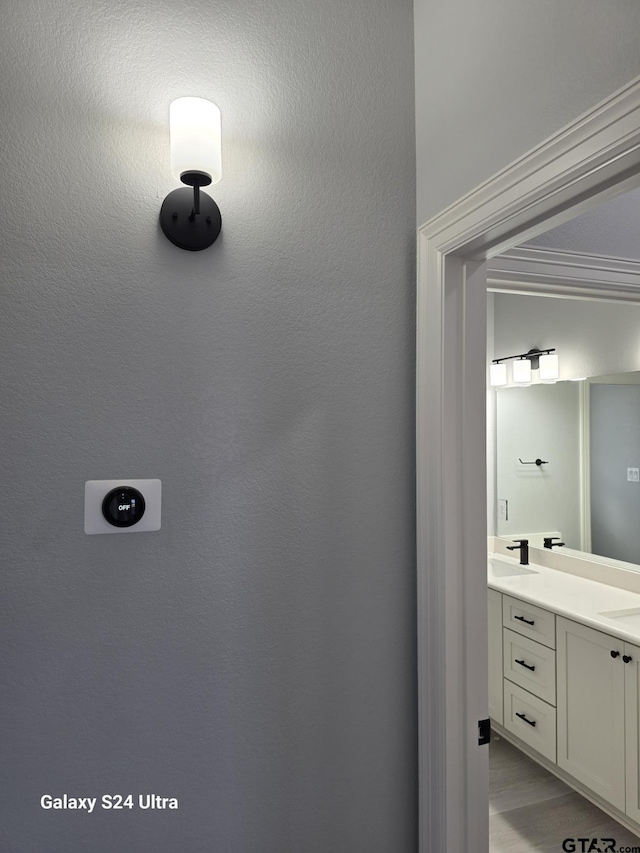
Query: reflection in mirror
(587, 490)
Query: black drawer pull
(522, 619)
(614, 653)
(626, 658)
(522, 717)
(522, 663)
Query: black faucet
(523, 546)
(549, 543)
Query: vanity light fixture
(522, 371)
(544, 360)
(189, 218)
(549, 367)
(498, 374)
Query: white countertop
(568, 595)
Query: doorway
(592, 160)
(584, 429)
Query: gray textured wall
(256, 657)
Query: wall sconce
(546, 361)
(190, 218)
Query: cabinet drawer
(531, 719)
(529, 620)
(531, 665)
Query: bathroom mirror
(586, 436)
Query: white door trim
(593, 159)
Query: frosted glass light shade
(522, 371)
(549, 367)
(196, 146)
(498, 374)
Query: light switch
(503, 509)
(122, 506)
(633, 475)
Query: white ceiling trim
(564, 274)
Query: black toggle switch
(123, 506)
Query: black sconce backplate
(189, 230)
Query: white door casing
(591, 160)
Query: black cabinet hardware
(522, 663)
(537, 462)
(522, 717)
(615, 654)
(627, 658)
(522, 619)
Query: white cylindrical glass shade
(196, 145)
(498, 374)
(549, 367)
(522, 371)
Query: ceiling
(613, 230)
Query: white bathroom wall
(591, 338)
(541, 421)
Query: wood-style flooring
(530, 810)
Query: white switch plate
(633, 475)
(503, 509)
(94, 493)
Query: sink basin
(510, 570)
(621, 614)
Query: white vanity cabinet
(494, 621)
(599, 714)
(591, 709)
(570, 692)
